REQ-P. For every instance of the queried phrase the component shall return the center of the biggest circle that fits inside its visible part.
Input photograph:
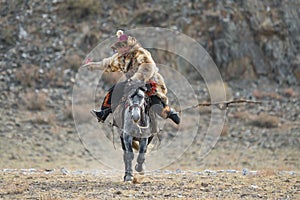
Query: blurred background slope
(255, 45)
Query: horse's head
(136, 102)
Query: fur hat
(130, 41)
(121, 36)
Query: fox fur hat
(122, 37)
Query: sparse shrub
(78, 9)
(82, 113)
(68, 114)
(54, 77)
(264, 120)
(224, 131)
(7, 36)
(44, 119)
(289, 92)
(35, 100)
(30, 76)
(73, 62)
(27, 75)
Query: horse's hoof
(128, 178)
(140, 168)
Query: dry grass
(7, 36)
(27, 75)
(54, 77)
(45, 118)
(80, 9)
(82, 113)
(260, 95)
(39, 117)
(33, 77)
(73, 62)
(268, 172)
(264, 120)
(35, 101)
(289, 92)
(244, 115)
(68, 113)
(224, 132)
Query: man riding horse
(137, 64)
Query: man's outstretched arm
(105, 64)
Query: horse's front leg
(127, 156)
(140, 166)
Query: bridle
(139, 104)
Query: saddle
(119, 110)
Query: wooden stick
(222, 105)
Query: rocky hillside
(47, 40)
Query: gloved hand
(151, 88)
(148, 86)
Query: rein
(137, 124)
(142, 127)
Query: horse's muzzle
(135, 114)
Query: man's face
(121, 47)
(123, 50)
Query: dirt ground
(255, 157)
(31, 184)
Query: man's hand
(91, 67)
(88, 64)
(101, 65)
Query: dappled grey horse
(137, 124)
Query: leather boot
(101, 114)
(173, 115)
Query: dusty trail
(207, 184)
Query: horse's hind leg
(140, 166)
(127, 156)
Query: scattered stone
(231, 171)
(210, 172)
(49, 171)
(64, 171)
(137, 179)
(204, 184)
(245, 172)
(204, 189)
(254, 186)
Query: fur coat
(136, 64)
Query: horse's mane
(132, 86)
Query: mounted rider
(137, 64)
